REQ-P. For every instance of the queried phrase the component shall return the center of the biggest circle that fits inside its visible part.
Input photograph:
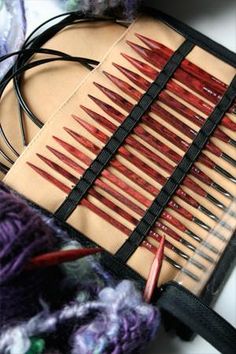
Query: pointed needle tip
(57, 257)
(116, 65)
(74, 116)
(97, 84)
(124, 55)
(129, 42)
(155, 271)
(78, 119)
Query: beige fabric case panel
(46, 87)
(25, 181)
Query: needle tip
(155, 270)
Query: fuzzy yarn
(99, 7)
(123, 324)
(118, 322)
(96, 317)
(22, 236)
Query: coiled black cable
(33, 45)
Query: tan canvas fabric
(46, 87)
(45, 101)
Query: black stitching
(143, 229)
(149, 216)
(168, 190)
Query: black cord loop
(31, 47)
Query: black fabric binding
(175, 300)
(181, 310)
(159, 204)
(122, 132)
(193, 35)
(183, 305)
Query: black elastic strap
(122, 132)
(159, 204)
(193, 312)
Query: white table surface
(216, 19)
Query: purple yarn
(124, 325)
(98, 7)
(22, 236)
(117, 322)
(130, 7)
(114, 320)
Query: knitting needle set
(142, 154)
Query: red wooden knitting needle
(107, 217)
(64, 188)
(78, 168)
(139, 147)
(193, 83)
(186, 65)
(169, 135)
(134, 160)
(57, 257)
(173, 103)
(135, 144)
(155, 271)
(163, 131)
(127, 202)
(165, 215)
(104, 138)
(169, 117)
(131, 219)
(164, 149)
(179, 91)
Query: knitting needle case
(143, 147)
